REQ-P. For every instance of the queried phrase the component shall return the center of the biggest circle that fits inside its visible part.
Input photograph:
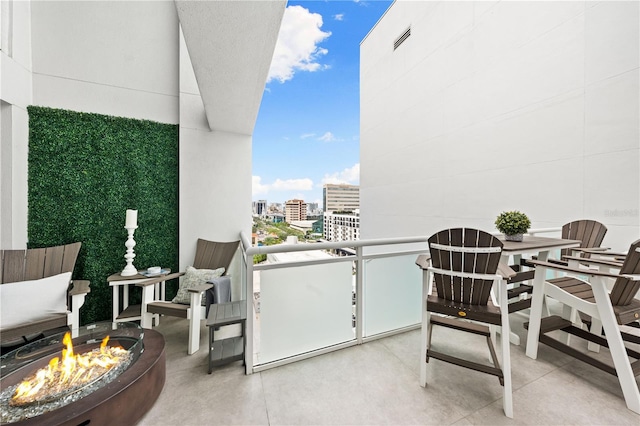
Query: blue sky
(307, 131)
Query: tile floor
(377, 384)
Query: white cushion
(25, 301)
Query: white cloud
(307, 135)
(327, 137)
(338, 17)
(305, 184)
(259, 188)
(350, 175)
(297, 46)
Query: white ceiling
(231, 44)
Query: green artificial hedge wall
(85, 170)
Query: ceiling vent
(402, 38)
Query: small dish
(146, 273)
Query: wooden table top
(531, 243)
(139, 276)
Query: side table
(119, 284)
(231, 349)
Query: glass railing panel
(392, 294)
(303, 309)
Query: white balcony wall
(493, 106)
(392, 294)
(303, 309)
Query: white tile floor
(377, 384)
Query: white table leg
(125, 296)
(116, 302)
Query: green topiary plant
(513, 224)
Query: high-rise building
(261, 207)
(313, 208)
(340, 197)
(342, 226)
(295, 210)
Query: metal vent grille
(402, 38)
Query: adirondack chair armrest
(559, 267)
(505, 271)
(159, 279)
(590, 261)
(424, 261)
(598, 250)
(632, 277)
(79, 287)
(601, 252)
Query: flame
(69, 372)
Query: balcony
(337, 372)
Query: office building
(340, 197)
(295, 210)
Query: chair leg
(507, 398)
(616, 346)
(425, 343)
(596, 328)
(194, 323)
(569, 313)
(535, 316)
(146, 320)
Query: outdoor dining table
(532, 245)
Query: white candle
(132, 219)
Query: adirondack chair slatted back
(590, 232)
(624, 289)
(37, 263)
(447, 255)
(213, 255)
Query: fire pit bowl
(121, 394)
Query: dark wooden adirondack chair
(465, 268)
(17, 266)
(209, 255)
(590, 232)
(608, 310)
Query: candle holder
(129, 270)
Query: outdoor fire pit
(109, 373)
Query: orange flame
(72, 372)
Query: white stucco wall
(493, 106)
(215, 178)
(116, 58)
(15, 96)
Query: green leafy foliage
(85, 170)
(512, 223)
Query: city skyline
(307, 131)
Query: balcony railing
(308, 302)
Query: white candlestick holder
(129, 270)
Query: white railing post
(359, 295)
(247, 277)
